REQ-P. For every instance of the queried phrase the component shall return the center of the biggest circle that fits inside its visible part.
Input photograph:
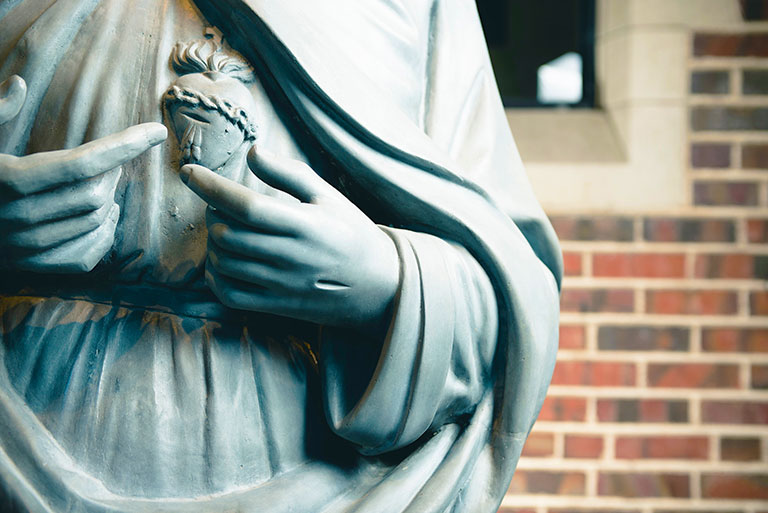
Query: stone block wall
(659, 401)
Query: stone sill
(579, 160)
(565, 135)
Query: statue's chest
(161, 236)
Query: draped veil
(425, 187)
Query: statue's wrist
(388, 285)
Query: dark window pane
(523, 36)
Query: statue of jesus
(331, 290)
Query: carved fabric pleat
(155, 403)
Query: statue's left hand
(320, 259)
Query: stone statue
(330, 290)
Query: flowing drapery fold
(421, 186)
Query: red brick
(572, 337)
(642, 338)
(676, 510)
(722, 194)
(547, 482)
(639, 265)
(691, 302)
(572, 264)
(729, 118)
(597, 300)
(740, 449)
(563, 409)
(734, 486)
(593, 228)
(754, 81)
(754, 156)
(599, 374)
(642, 410)
(740, 340)
(693, 375)
(728, 266)
(734, 412)
(731, 45)
(662, 447)
(581, 446)
(758, 303)
(760, 377)
(757, 231)
(674, 229)
(539, 445)
(711, 155)
(591, 510)
(643, 484)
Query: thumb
(290, 175)
(13, 92)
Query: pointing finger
(41, 171)
(240, 202)
(289, 175)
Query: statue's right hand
(57, 209)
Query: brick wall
(659, 401)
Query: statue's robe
(132, 389)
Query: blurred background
(644, 128)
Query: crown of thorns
(236, 115)
(203, 56)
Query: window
(542, 52)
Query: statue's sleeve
(434, 364)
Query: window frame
(630, 154)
